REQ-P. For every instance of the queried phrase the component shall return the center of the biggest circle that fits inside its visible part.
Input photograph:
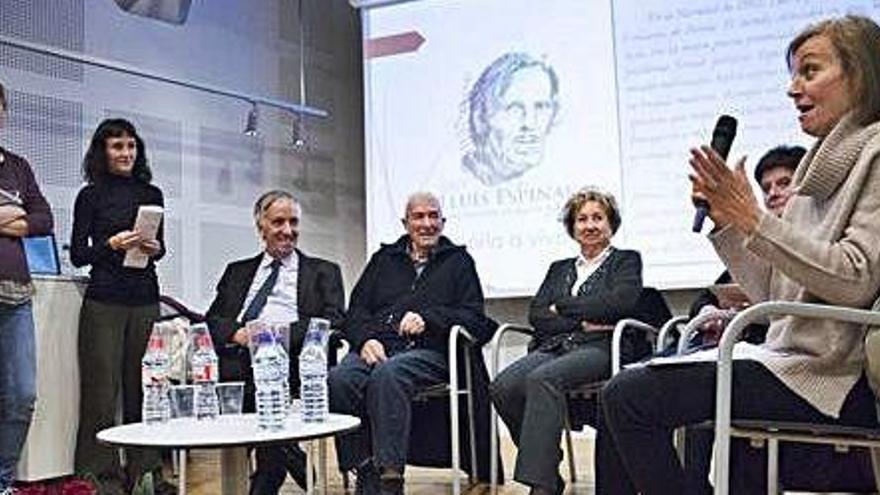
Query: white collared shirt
(585, 267)
(281, 305)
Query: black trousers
(642, 407)
(381, 396)
(112, 340)
(530, 398)
(273, 464)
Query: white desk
(232, 434)
(51, 441)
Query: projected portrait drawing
(511, 109)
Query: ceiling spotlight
(250, 126)
(297, 133)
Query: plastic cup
(182, 399)
(296, 406)
(231, 395)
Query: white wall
(209, 171)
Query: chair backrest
(652, 308)
(170, 307)
(872, 354)
(872, 371)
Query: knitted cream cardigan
(825, 248)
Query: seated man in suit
(279, 284)
(411, 293)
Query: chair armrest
(693, 326)
(336, 338)
(337, 342)
(617, 336)
(454, 333)
(495, 343)
(667, 328)
(458, 331)
(494, 350)
(725, 364)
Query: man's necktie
(259, 301)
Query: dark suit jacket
(612, 294)
(319, 294)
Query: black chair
(169, 307)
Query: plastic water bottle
(204, 375)
(156, 405)
(313, 372)
(270, 377)
(280, 331)
(283, 365)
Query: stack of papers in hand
(147, 223)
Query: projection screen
(503, 108)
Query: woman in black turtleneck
(120, 303)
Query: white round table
(233, 434)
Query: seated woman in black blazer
(578, 299)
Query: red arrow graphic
(385, 46)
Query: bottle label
(204, 374)
(151, 376)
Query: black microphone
(722, 140)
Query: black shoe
(367, 481)
(153, 483)
(560, 485)
(111, 485)
(543, 490)
(391, 485)
(165, 487)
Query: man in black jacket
(409, 296)
(279, 284)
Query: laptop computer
(42, 255)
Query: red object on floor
(32, 489)
(77, 486)
(66, 486)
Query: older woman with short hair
(825, 248)
(579, 297)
